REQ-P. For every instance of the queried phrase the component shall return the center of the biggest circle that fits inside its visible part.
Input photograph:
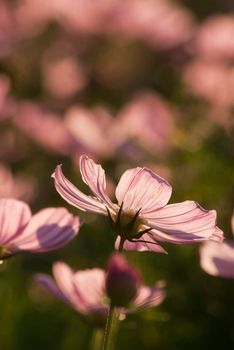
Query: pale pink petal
(48, 283)
(94, 176)
(74, 196)
(149, 297)
(89, 285)
(146, 243)
(140, 188)
(217, 235)
(185, 222)
(49, 229)
(217, 259)
(14, 216)
(64, 275)
(83, 290)
(149, 243)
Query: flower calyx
(127, 224)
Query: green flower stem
(109, 330)
(112, 319)
(96, 339)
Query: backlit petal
(14, 216)
(145, 244)
(185, 222)
(217, 259)
(49, 229)
(74, 196)
(94, 176)
(64, 275)
(140, 188)
(149, 297)
(89, 285)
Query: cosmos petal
(49, 229)
(217, 259)
(93, 281)
(94, 176)
(140, 188)
(145, 244)
(149, 296)
(185, 222)
(14, 216)
(74, 196)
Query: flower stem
(96, 339)
(109, 330)
(112, 318)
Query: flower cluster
(141, 219)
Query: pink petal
(48, 283)
(64, 276)
(94, 176)
(217, 259)
(185, 222)
(141, 246)
(49, 229)
(74, 196)
(149, 297)
(140, 188)
(217, 235)
(14, 216)
(89, 285)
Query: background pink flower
(217, 259)
(85, 291)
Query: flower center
(128, 223)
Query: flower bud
(122, 281)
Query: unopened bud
(122, 281)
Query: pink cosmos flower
(217, 259)
(63, 77)
(162, 23)
(141, 218)
(71, 287)
(147, 120)
(98, 140)
(211, 81)
(49, 229)
(214, 39)
(45, 128)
